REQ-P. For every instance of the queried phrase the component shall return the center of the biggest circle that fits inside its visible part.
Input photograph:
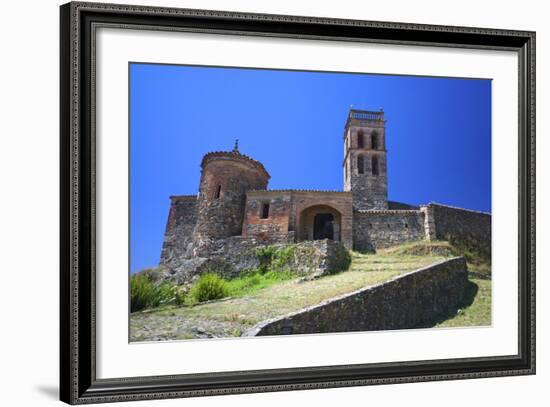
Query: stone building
(234, 207)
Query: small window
(265, 211)
(374, 141)
(375, 169)
(360, 165)
(360, 139)
(218, 192)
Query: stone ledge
(387, 211)
(320, 191)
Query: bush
(282, 257)
(265, 256)
(145, 293)
(274, 258)
(209, 286)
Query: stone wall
(463, 227)
(369, 191)
(378, 229)
(225, 179)
(317, 257)
(178, 236)
(228, 257)
(401, 303)
(369, 187)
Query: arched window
(360, 139)
(374, 140)
(218, 192)
(360, 164)
(375, 169)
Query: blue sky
(438, 135)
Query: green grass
(253, 281)
(145, 292)
(257, 295)
(208, 287)
(477, 313)
(476, 308)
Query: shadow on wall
(468, 299)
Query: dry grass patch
(235, 315)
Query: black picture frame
(78, 382)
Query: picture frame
(79, 382)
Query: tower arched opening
(360, 139)
(374, 141)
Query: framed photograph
(254, 203)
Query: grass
(208, 287)
(254, 281)
(477, 313)
(257, 295)
(145, 292)
(476, 309)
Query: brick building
(234, 206)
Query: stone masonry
(234, 211)
(401, 303)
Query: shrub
(145, 293)
(265, 256)
(209, 286)
(153, 274)
(282, 257)
(274, 258)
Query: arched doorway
(320, 222)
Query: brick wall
(278, 215)
(305, 201)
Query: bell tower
(365, 159)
